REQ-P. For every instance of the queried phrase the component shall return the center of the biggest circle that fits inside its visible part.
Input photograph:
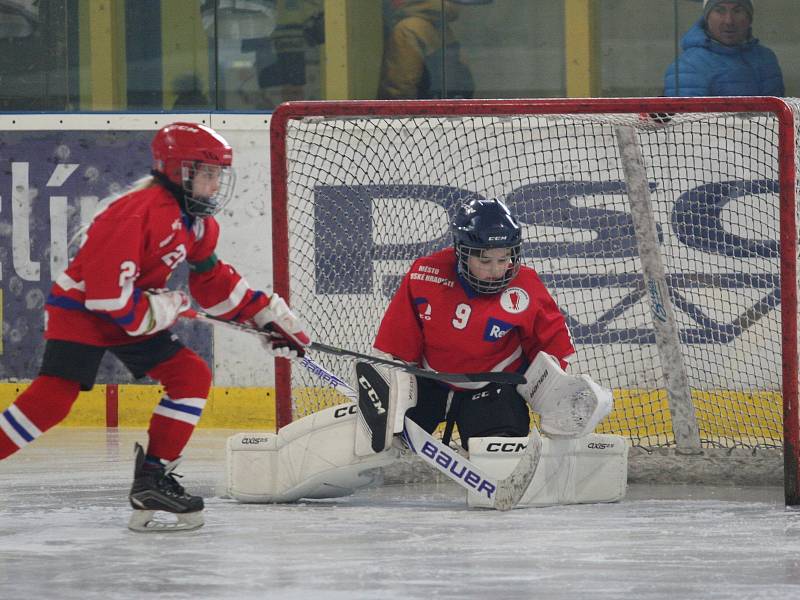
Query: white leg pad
(310, 458)
(589, 469)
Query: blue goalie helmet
(480, 225)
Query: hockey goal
(665, 229)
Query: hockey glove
(165, 308)
(288, 339)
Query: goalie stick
(500, 377)
(504, 494)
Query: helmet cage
(181, 151)
(206, 206)
(487, 286)
(480, 225)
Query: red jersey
(436, 320)
(132, 246)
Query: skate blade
(154, 521)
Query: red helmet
(180, 149)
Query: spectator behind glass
(722, 58)
(414, 58)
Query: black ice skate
(157, 490)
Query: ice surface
(64, 510)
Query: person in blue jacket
(722, 58)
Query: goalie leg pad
(569, 405)
(589, 469)
(310, 458)
(384, 396)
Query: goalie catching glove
(569, 405)
(288, 338)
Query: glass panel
(38, 55)
(143, 59)
(776, 24)
(514, 48)
(255, 54)
(466, 57)
(268, 52)
(421, 55)
(413, 47)
(637, 46)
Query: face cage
(202, 206)
(484, 286)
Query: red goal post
(665, 228)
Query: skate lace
(169, 479)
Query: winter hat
(708, 5)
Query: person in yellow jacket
(421, 57)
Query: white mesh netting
(368, 195)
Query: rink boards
(58, 169)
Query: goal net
(664, 228)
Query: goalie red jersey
(132, 246)
(437, 320)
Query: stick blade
(511, 489)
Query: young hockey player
(469, 308)
(111, 297)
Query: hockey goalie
(472, 307)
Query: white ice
(64, 510)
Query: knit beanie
(708, 5)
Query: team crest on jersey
(515, 300)
(423, 308)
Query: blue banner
(346, 250)
(50, 184)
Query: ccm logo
(371, 394)
(254, 440)
(599, 445)
(343, 411)
(497, 238)
(506, 447)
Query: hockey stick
(504, 494)
(332, 380)
(487, 377)
(501, 377)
